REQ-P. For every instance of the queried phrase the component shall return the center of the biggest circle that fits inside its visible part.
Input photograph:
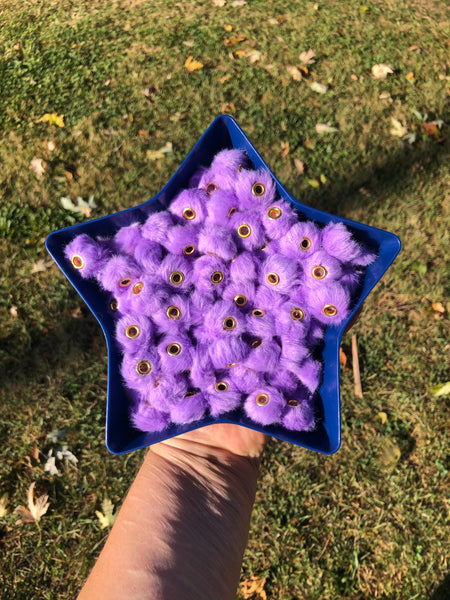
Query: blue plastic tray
(121, 436)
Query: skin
(183, 527)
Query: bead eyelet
(176, 278)
(256, 343)
(221, 386)
(77, 261)
(244, 230)
(173, 312)
(297, 314)
(262, 399)
(143, 367)
(305, 243)
(273, 279)
(125, 282)
(240, 300)
(210, 188)
(114, 305)
(138, 287)
(132, 332)
(258, 312)
(188, 250)
(231, 365)
(231, 212)
(189, 214)
(329, 310)
(258, 189)
(319, 272)
(173, 349)
(216, 277)
(229, 323)
(274, 213)
(292, 403)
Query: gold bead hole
(258, 312)
(173, 312)
(273, 278)
(114, 305)
(77, 261)
(231, 212)
(189, 214)
(256, 343)
(217, 277)
(244, 230)
(240, 300)
(262, 399)
(319, 272)
(297, 314)
(293, 402)
(173, 349)
(210, 188)
(188, 250)
(258, 189)
(329, 310)
(125, 282)
(132, 332)
(229, 323)
(176, 278)
(143, 367)
(305, 243)
(221, 386)
(274, 213)
(138, 287)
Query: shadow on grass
(442, 592)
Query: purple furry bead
(148, 255)
(249, 230)
(278, 219)
(245, 380)
(242, 294)
(146, 296)
(302, 240)
(119, 274)
(227, 350)
(224, 169)
(202, 372)
(264, 355)
(221, 209)
(140, 371)
(283, 380)
(176, 272)
(175, 353)
(188, 409)
(222, 396)
(209, 275)
(182, 240)
(338, 242)
(299, 413)
(279, 273)
(320, 268)
(265, 405)
(86, 255)
(254, 189)
(268, 300)
(293, 320)
(190, 206)
(261, 323)
(167, 390)
(216, 240)
(315, 334)
(244, 268)
(310, 374)
(222, 321)
(293, 352)
(200, 302)
(329, 304)
(127, 238)
(134, 333)
(156, 226)
(173, 315)
(147, 418)
(351, 277)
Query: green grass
(354, 525)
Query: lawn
(90, 92)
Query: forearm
(182, 529)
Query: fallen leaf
(69, 175)
(385, 96)
(236, 3)
(159, 154)
(52, 119)
(38, 166)
(192, 65)
(64, 453)
(354, 77)
(325, 128)
(254, 588)
(308, 144)
(308, 57)
(107, 517)
(319, 88)
(432, 129)
(188, 43)
(414, 48)
(35, 452)
(342, 358)
(228, 27)
(81, 206)
(442, 389)
(13, 312)
(410, 76)
(253, 55)
(3, 505)
(56, 435)
(284, 151)
(218, 2)
(390, 453)
(438, 307)
(50, 464)
(382, 417)
(299, 166)
(143, 133)
(323, 179)
(228, 107)
(41, 265)
(397, 129)
(77, 313)
(50, 145)
(313, 183)
(236, 40)
(151, 92)
(294, 72)
(381, 71)
(36, 508)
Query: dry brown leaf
(382, 416)
(308, 57)
(41, 265)
(218, 2)
(36, 508)
(188, 43)
(325, 128)
(410, 76)
(253, 55)
(236, 3)
(299, 166)
(77, 313)
(438, 307)
(228, 27)
(50, 145)
(3, 505)
(294, 72)
(398, 129)
(38, 165)
(13, 312)
(342, 358)
(381, 71)
(235, 40)
(308, 144)
(192, 65)
(284, 150)
(254, 588)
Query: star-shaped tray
(121, 436)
